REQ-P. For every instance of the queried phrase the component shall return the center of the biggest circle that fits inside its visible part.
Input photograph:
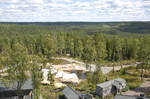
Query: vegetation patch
(59, 61)
(130, 74)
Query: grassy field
(130, 74)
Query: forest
(21, 43)
(76, 40)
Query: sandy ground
(105, 69)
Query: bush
(125, 89)
(134, 85)
(147, 75)
(82, 86)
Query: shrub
(82, 86)
(147, 75)
(134, 85)
(125, 89)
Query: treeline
(120, 28)
(40, 40)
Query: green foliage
(49, 41)
(51, 78)
(134, 85)
(131, 75)
(94, 78)
(125, 89)
(111, 96)
(16, 61)
(83, 86)
(36, 74)
(58, 61)
(144, 55)
(24, 47)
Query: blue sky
(74, 10)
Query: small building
(12, 92)
(117, 85)
(72, 94)
(110, 87)
(104, 89)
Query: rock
(48, 64)
(92, 67)
(106, 70)
(45, 73)
(53, 71)
(67, 77)
(59, 74)
(72, 78)
(59, 85)
(3, 74)
(45, 82)
(45, 76)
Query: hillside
(84, 27)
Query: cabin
(110, 87)
(72, 94)
(104, 89)
(11, 92)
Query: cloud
(61, 0)
(82, 4)
(74, 10)
(35, 1)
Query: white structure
(112, 86)
(119, 83)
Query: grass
(50, 92)
(59, 61)
(130, 74)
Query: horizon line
(66, 21)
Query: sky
(74, 10)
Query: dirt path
(144, 88)
(107, 69)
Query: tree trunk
(121, 66)
(113, 68)
(142, 73)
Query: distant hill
(91, 27)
